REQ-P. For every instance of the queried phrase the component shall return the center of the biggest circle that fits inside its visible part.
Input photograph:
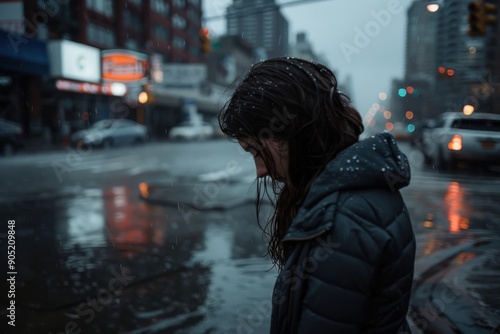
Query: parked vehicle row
(192, 130)
(11, 137)
(110, 132)
(455, 137)
(106, 133)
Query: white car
(191, 130)
(456, 137)
(110, 132)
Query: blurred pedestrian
(340, 233)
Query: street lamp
(433, 7)
(143, 97)
(468, 109)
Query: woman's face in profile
(279, 155)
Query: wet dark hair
(292, 101)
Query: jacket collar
(376, 162)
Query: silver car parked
(111, 132)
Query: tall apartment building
(474, 60)
(493, 66)
(261, 23)
(421, 42)
(411, 97)
(438, 40)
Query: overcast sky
(361, 38)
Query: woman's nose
(261, 168)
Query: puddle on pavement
(103, 261)
(452, 213)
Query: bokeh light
(468, 109)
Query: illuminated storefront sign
(113, 89)
(124, 66)
(75, 61)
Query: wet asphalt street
(91, 256)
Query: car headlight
(92, 138)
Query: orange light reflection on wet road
(456, 207)
(127, 226)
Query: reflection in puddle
(463, 258)
(205, 276)
(84, 221)
(111, 216)
(125, 227)
(456, 207)
(431, 245)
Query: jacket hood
(375, 162)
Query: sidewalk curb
(439, 304)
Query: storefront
(183, 87)
(23, 63)
(76, 96)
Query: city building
(446, 68)
(231, 56)
(420, 53)
(467, 61)
(261, 23)
(489, 86)
(68, 58)
(303, 48)
(412, 99)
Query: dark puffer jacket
(352, 248)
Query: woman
(340, 233)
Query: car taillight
(144, 189)
(455, 143)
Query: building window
(138, 3)
(179, 3)
(179, 43)
(160, 7)
(132, 44)
(161, 32)
(178, 21)
(194, 52)
(193, 16)
(100, 35)
(104, 7)
(132, 20)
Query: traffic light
(480, 16)
(490, 12)
(476, 25)
(205, 40)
